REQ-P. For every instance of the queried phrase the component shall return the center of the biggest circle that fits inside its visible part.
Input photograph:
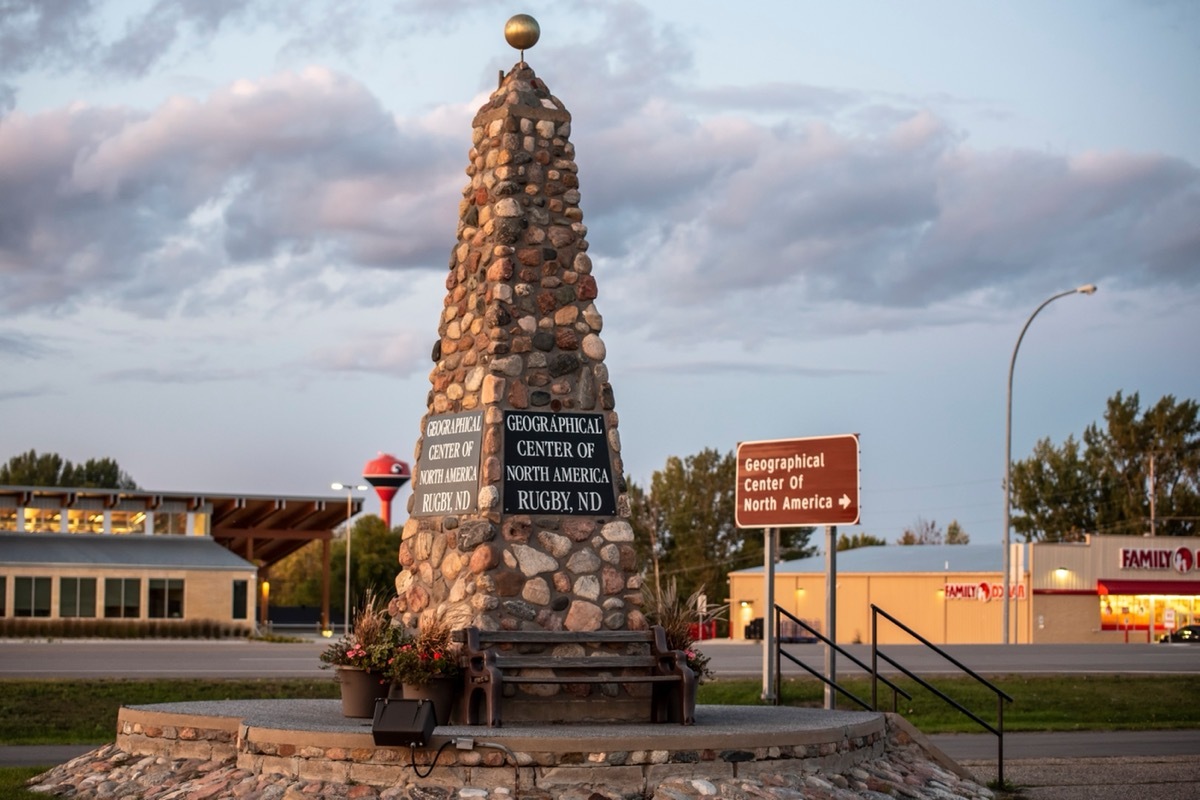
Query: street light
(1085, 289)
(349, 487)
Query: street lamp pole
(1085, 289)
(349, 487)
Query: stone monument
(519, 517)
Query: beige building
(119, 555)
(1104, 589)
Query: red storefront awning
(1124, 586)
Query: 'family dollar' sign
(446, 480)
(556, 464)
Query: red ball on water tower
(387, 474)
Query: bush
(97, 628)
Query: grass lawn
(1040, 703)
(12, 783)
(85, 711)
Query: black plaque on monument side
(557, 464)
(446, 480)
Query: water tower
(387, 474)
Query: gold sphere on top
(522, 31)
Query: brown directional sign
(790, 483)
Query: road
(742, 660)
(241, 659)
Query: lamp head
(1087, 288)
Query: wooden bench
(494, 658)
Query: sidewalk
(1085, 765)
(41, 755)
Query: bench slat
(592, 679)
(504, 661)
(563, 637)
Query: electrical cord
(412, 749)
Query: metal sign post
(830, 613)
(796, 483)
(770, 544)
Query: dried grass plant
(677, 618)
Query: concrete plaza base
(308, 744)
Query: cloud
(21, 345)
(149, 37)
(744, 367)
(175, 376)
(385, 352)
(721, 202)
(298, 169)
(44, 33)
(900, 217)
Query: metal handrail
(1001, 695)
(830, 681)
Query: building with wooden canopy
(123, 554)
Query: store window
(8, 519)
(1122, 612)
(122, 598)
(128, 521)
(77, 597)
(43, 520)
(200, 524)
(3, 595)
(241, 601)
(170, 523)
(31, 597)
(81, 520)
(165, 598)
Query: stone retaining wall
(161, 755)
(353, 758)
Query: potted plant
(427, 667)
(677, 618)
(361, 657)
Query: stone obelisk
(519, 518)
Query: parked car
(1188, 633)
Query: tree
(923, 531)
(1140, 474)
(1148, 468)
(374, 552)
(296, 579)
(691, 505)
(955, 534)
(685, 524)
(51, 469)
(859, 540)
(103, 473)
(1057, 490)
(793, 544)
(646, 520)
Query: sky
(224, 227)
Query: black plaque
(557, 464)
(446, 480)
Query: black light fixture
(403, 722)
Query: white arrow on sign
(845, 501)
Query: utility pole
(1153, 495)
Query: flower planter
(442, 692)
(360, 690)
